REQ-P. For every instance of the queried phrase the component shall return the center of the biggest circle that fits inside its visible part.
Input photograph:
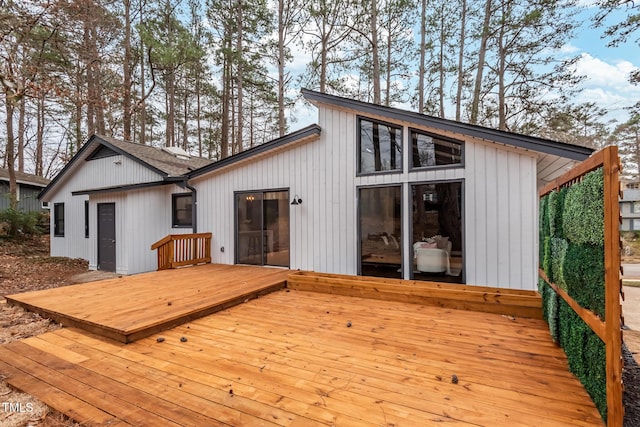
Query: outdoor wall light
(296, 200)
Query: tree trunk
(423, 48)
(441, 71)
(40, 135)
(463, 23)
(21, 133)
(240, 76)
(143, 103)
(475, 104)
(375, 55)
(10, 153)
(281, 74)
(502, 113)
(126, 71)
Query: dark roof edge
(562, 149)
(120, 188)
(82, 150)
(292, 137)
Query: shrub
(20, 223)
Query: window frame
(400, 159)
(435, 136)
(58, 219)
(174, 220)
(86, 219)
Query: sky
(606, 69)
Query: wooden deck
(289, 358)
(134, 307)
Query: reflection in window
(429, 150)
(380, 216)
(182, 210)
(380, 146)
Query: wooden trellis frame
(609, 330)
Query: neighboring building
(29, 186)
(630, 206)
(371, 190)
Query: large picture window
(380, 146)
(58, 219)
(182, 210)
(429, 150)
(380, 227)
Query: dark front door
(107, 236)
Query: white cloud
(603, 74)
(607, 84)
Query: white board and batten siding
(142, 216)
(320, 172)
(499, 204)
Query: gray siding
(27, 197)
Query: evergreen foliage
(18, 224)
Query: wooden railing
(178, 250)
(608, 329)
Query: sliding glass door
(262, 228)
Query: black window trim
(437, 136)
(400, 127)
(86, 219)
(174, 198)
(57, 219)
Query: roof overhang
(540, 145)
(301, 136)
(121, 188)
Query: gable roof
(299, 136)
(156, 159)
(561, 149)
(168, 166)
(25, 178)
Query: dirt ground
(27, 266)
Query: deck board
(134, 307)
(291, 360)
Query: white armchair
(432, 260)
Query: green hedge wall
(583, 212)
(586, 354)
(583, 273)
(572, 256)
(585, 351)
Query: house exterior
(115, 198)
(28, 188)
(630, 206)
(369, 190)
